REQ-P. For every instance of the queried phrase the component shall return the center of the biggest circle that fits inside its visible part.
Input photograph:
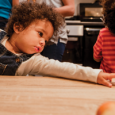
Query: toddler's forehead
(39, 20)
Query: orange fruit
(107, 108)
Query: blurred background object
(5, 11)
(107, 108)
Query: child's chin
(30, 52)
(34, 52)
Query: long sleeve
(39, 65)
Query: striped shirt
(104, 49)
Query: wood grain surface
(22, 95)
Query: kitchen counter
(78, 22)
(28, 95)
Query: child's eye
(46, 41)
(40, 33)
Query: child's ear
(17, 28)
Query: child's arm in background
(68, 9)
(97, 60)
(97, 49)
(15, 2)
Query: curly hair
(25, 13)
(109, 14)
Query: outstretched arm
(39, 65)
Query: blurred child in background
(104, 48)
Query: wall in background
(21, 0)
(30, 0)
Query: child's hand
(105, 78)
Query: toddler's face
(32, 39)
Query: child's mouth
(37, 49)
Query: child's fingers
(105, 78)
(110, 76)
(107, 83)
(110, 80)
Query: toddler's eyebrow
(41, 29)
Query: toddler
(104, 48)
(29, 28)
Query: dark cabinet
(89, 39)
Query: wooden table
(22, 95)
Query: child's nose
(42, 42)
